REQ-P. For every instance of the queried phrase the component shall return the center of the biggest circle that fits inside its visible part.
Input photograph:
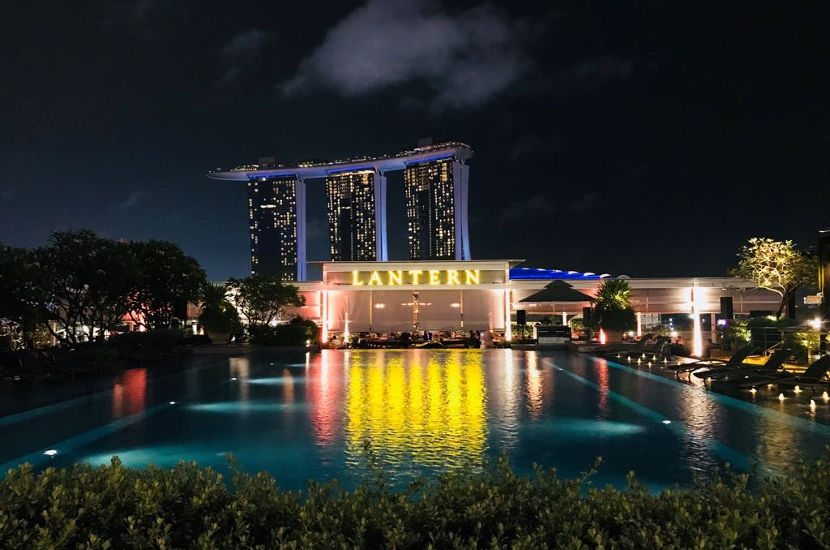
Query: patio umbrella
(559, 292)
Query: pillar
(697, 336)
(461, 180)
(639, 324)
(301, 232)
(381, 254)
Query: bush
(294, 333)
(191, 507)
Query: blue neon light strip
(427, 159)
(527, 273)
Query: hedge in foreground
(192, 507)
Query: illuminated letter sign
(374, 280)
(432, 277)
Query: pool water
(303, 416)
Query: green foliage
(577, 324)
(734, 335)
(612, 310)
(295, 333)
(777, 266)
(162, 280)
(218, 316)
(614, 294)
(81, 285)
(191, 507)
(263, 299)
(802, 344)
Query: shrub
(294, 333)
(191, 507)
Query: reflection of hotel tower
(436, 180)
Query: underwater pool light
(50, 452)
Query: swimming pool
(303, 416)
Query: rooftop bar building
(485, 295)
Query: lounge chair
(736, 360)
(745, 373)
(813, 376)
(638, 346)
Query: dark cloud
(134, 198)
(246, 45)
(464, 59)
(240, 52)
(586, 202)
(605, 67)
(524, 209)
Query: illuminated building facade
(276, 217)
(449, 295)
(357, 216)
(436, 209)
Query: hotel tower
(436, 178)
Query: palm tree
(613, 294)
(613, 311)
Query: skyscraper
(276, 217)
(436, 209)
(356, 211)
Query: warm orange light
(603, 338)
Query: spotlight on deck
(781, 397)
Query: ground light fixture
(781, 397)
(825, 396)
(812, 404)
(753, 391)
(797, 389)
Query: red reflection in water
(325, 392)
(129, 393)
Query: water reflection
(129, 393)
(427, 408)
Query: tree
(263, 298)
(777, 266)
(164, 281)
(612, 309)
(218, 315)
(83, 281)
(20, 305)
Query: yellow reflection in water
(429, 407)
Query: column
(461, 179)
(380, 217)
(300, 215)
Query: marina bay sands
(436, 181)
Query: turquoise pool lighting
(307, 415)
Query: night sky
(635, 138)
